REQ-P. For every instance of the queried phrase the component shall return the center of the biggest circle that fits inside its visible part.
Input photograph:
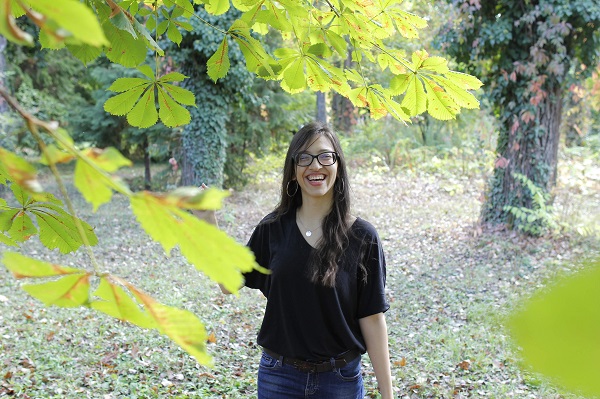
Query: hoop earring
(287, 189)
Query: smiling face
(315, 180)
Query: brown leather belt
(315, 367)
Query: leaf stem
(34, 124)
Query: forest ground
(450, 284)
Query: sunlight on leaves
(209, 249)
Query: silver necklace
(308, 232)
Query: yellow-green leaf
(294, 80)
(109, 159)
(439, 104)
(179, 94)
(194, 198)
(415, 99)
(118, 304)
(84, 52)
(6, 240)
(67, 292)
(91, 184)
(465, 81)
(144, 113)
(54, 155)
(22, 228)
(59, 230)
(124, 84)
(218, 65)
(123, 103)
(74, 17)
(9, 28)
(459, 95)
(558, 330)
(209, 249)
(171, 114)
(182, 326)
(24, 267)
(216, 7)
(436, 64)
(19, 170)
(124, 49)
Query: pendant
(308, 233)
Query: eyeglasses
(324, 158)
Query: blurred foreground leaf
(559, 331)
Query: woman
(325, 291)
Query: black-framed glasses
(325, 158)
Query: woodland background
(454, 277)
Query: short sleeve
(371, 293)
(259, 245)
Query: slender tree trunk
(344, 113)
(147, 173)
(530, 149)
(321, 107)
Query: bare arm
(210, 217)
(374, 330)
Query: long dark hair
(336, 227)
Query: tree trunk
(147, 173)
(321, 107)
(344, 113)
(530, 149)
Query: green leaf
(124, 49)
(118, 304)
(465, 81)
(558, 330)
(173, 34)
(123, 103)
(182, 326)
(120, 20)
(172, 77)
(24, 267)
(6, 218)
(144, 113)
(171, 114)
(337, 42)
(294, 80)
(179, 94)
(209, 249)
(84, 52)
(218, 64)
(6, 240)
(96, 187)
(439, 104)
(22, 228)
(415, 99)
(59, 230)
(436, 64)
(407, 23)
(67, 292)
(216, 7)
(54, 155)
(108, 159)
(459, 95)
(18, 170)
(76, 18)
(9, 28)
(124, 84)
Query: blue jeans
(282, 381)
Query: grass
(450, 285)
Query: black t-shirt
(307, 320)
